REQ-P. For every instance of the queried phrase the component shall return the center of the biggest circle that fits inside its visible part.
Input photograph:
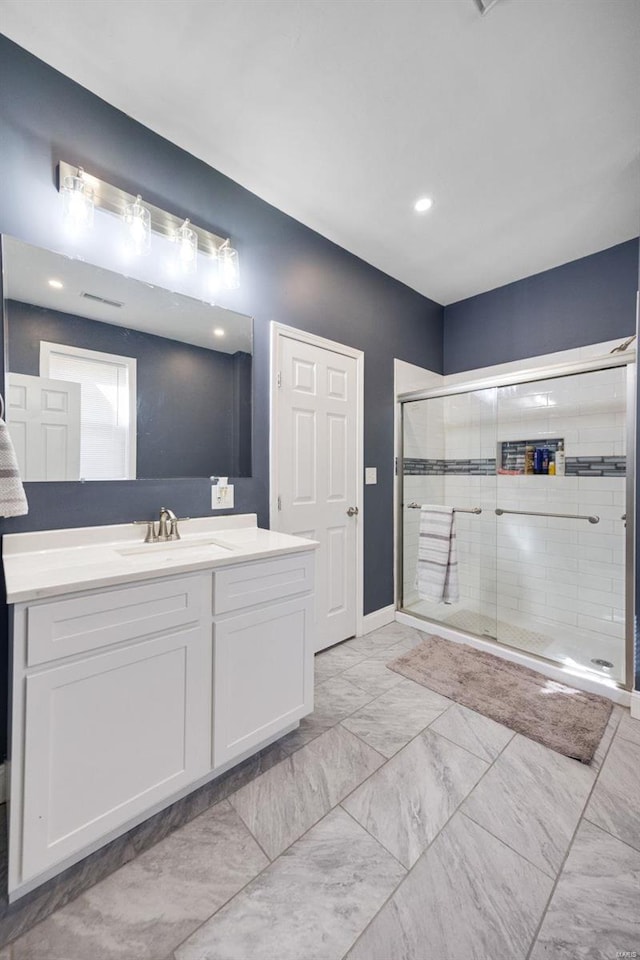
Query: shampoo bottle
(560, 459)
(545, 460)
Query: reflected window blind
(105, 415)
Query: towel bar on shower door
(562, 516)
(417, 506)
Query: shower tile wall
(470, 431)
(566, 576)
(423, 439)
(561, 578)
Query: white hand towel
(13, 502)
(437, 569)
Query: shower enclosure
(545, 561)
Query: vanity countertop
(49, 563)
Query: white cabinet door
(108, 736)
(263, 675)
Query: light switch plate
(370, 474)
(222, 497)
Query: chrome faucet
(167, 527)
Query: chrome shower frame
(625, 359)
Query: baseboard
(3, 788)
(635, 704)
(379, 618)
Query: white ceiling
(521, 124)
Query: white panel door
(316, 474)
(43, 417)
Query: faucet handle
(174, 533)
(151, 536)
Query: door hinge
(396, 467)
(279, 379)
(279, 502)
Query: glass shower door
(449, 458)
(561, 533)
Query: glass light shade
(228, 267)
(138, 221)
(187, 240)
(77, 200)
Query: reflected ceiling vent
(485, 5)
(96, 299)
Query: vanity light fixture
(138, 221)
(56, 284)
(485, 5)
(78, 201)
(142, 220)
(187, 240)
(228, 267)
(423, 204)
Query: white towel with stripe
(13, 502)
(437, 570)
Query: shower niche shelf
(511, 453)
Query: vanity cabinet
(125, 699)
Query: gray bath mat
(562, 718)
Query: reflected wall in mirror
(109, 378)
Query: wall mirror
(110, 378)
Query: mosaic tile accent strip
(596, 467)
(574, 466)
(434, 468)
(512, 451)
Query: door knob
(352, 512)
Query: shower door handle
(352, 512)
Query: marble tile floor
(393, 824)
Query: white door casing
(316, 468)
(43, 417)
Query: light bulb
(187, 240)
(228, 266)
(218, 332)
(77, 199)
(423, 204)
(138, 221)
(56, 284)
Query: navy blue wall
(290, 274)
(585, 301)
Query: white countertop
(49, 563)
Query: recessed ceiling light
(56, 284)
(218, 332)
(423, 204)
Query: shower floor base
(545, 638)
(488, 627)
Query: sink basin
(171, 547)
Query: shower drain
(601, 663)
